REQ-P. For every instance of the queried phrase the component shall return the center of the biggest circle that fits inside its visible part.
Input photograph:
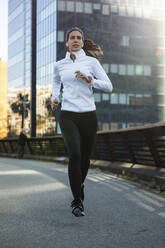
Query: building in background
(131, 33)
(3, 99)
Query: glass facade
(19, 62)
(46, 57)
(132, 35)
(3, 99)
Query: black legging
(79, 132)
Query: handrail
(137, 145)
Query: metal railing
(139, 145)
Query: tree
(21, 106)
(48, 106)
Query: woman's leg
(72, 140)
(88, 137)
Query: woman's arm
(101, 80)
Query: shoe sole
(78, 213)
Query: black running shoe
(77, 208)
(82, 192)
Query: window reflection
(79, 7)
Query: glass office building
(3, 99)
(131, 33)
(19, 59)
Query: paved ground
(35, 210)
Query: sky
(4, 30)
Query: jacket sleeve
(56, 84)
(100, 81)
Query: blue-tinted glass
(46, 26)
(17, 23)
(16, 47)
(13, 4)
(15, 71)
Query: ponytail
(93, 50)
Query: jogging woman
(79, 72)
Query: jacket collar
(78, 54)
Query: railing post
(29, 146)
(127, 143)
(110, 146)
(41, 148)
(152, 147)
(11, 146)
(4, 147)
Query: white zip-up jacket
(77, 94)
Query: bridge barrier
(137, 145)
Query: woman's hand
(83, 76)
(54, 104)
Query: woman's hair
(74, 29)
(90, 48)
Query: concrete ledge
(143, 172)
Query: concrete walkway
(35, 210)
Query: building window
(114, 98)
(130, 70)
(122, 11)
(79, 7)
(147, 13)
(130, 11)
(96, 6)
(147, 70)
(105, 126)
(161, 42)
(139, 99)
(47, 40)
(16, 59)
(122, 69)
(60, 36)
(16, 36)
(124, 125)
(114, 9)
(160, 71)
(138, 12)
(105, 9)
(48, 11)
(106, 67)
(124, 41)
(46, 70)
(135, 99)
(114, 68)
(61, 6)
(130, 99)
(139, 70)
(161, 99)
(122, 98)
(105, 97)
(16, 12)
(138, 2)
(113, 1)
(88, 8)
(70, 6)
(124, 2)
(97, 97)
(114, 125)
(131, 2)
(131, 124)
(147, 99)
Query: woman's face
(75, 41)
